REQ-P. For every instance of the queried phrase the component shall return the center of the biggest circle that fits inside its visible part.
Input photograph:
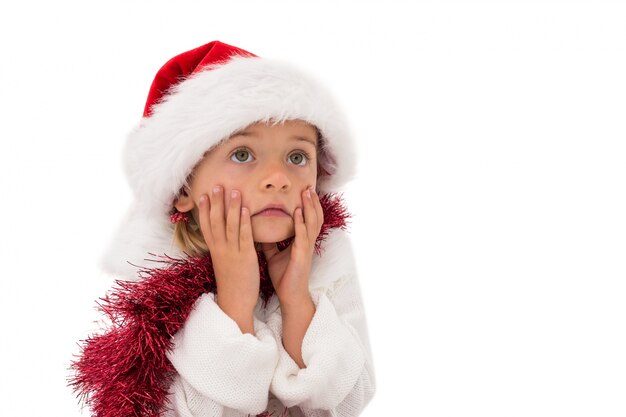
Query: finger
(245, 231)
(310, 215)
(300, 227)
(204, 208)
(233, 218)
(216, 214)
(318, 209)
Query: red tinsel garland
(125, 371)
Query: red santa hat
(198, 99)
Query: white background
(489, 208)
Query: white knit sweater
(225, 373)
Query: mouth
(273, 210)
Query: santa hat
(197, 99)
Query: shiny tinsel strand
(125, 372)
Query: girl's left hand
(290, 269)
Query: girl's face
(270, 165)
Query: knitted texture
(328, 349)
(221, 363)
(125, 371)
(338, 380)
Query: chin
(271, 233)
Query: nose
(275, 177)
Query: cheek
(225, 175)
(309, 179)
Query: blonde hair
(189, 239)
(187, 235)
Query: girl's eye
(298, 158)
(241, 155)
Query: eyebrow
(305, 139)
(294, 137)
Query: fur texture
(124, 371)
(196, 115)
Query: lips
(273, 210)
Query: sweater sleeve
(338, 379)
(221, 365)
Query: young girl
(253, 306)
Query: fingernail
(203, 198)
(234, 194)
(216, 189)
(308, 192)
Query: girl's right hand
(235, 262)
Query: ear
(184, 203)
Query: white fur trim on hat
(196, 115)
